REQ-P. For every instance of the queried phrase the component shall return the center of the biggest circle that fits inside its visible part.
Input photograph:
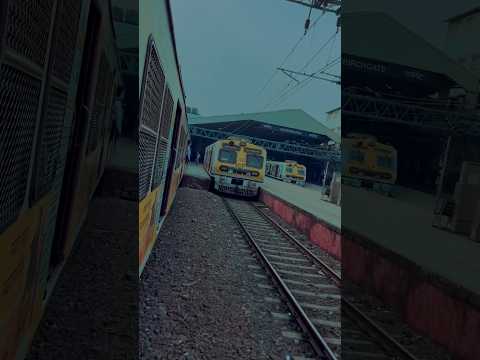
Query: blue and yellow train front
(239, 168)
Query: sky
(229, 49)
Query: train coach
(235, 166)
(57, 87)
(369, 163)
(163, 129)
(288, 171)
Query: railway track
(312, 291)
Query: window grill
(19, 101)
(153, 87)
(27, 30)
(68, 17)
(146, 159)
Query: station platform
(308, 198)
(435, 273)
(301, 207)
(196, 171)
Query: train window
(385, 162)
(254, 161)
(357, 156)
(301, 171)
(227, 156)
(289, 169)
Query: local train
(163, 129)
(57, 87)
(288, 171)
(369, 163)
(235, 166)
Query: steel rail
(336, 277)
(346, 304)
(317, 341)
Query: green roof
(295, 119)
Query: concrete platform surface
(196, 171)
(308, 198)
(404, 226)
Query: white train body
(288, 171)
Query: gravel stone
(198, 297)
(93, 311)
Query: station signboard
(369, 70)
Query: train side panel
(365, 163)
(37, 219)
(278, 170)
(163, 131)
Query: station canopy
(377, 49)
(282, 125)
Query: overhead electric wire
(296, 89)
(288, 56)
(283, 62)
(286, 92)
(318, 51)
(331, 47)
(286, 88)
(302, 84)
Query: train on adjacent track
(163, 128)
(56, 127)
(235, 166)
(289, 171)
(58, 86)
(369, 163)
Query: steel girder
(319, 154)
(383, 110)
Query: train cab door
(171, 161)
(78, 136)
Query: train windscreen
(227, 156)
(254, 161)
(385, 162)
(356, 155)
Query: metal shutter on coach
(55, 122)
(150, 113)
(19, 101)
(27, 28)
(54, 137)
(162, 145)
(66, 32)
(24, 30)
